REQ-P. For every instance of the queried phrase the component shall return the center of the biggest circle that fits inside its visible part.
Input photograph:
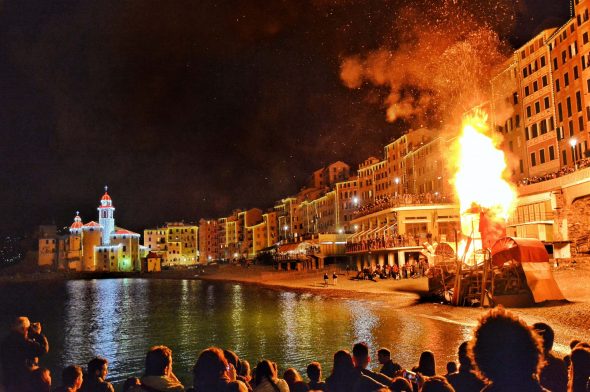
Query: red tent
(532, 255)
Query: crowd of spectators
(391, 201)
(382, 242)
(582, 163)
(505, 354)
(411, 269)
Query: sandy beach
(570, 319)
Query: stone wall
(578, 225)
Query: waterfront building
(177, 243)
(209, 248)
(328, 176)
(505, 117)
(93, 246)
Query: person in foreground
(507, 353)
(158, 371)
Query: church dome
(77, 225)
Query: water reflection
(121, 319)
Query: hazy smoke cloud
(439, 66)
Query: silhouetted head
(383, 355)
(158, 361)
(505, 349)
(209, 368)
(464, 359)
(343, 363)
(265, 370)
(314, 371)
(71, 377)
(231, 357)
(360, 352)
(400, 384)
(580, 369)
(546, 333)
(426, 364)
(451, 367)
(21, 325)
(98, 367)
(291, 376)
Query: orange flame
(480, 178)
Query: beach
(570, 319)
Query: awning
(520, 250)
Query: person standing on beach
(335, 278)
(325, 279)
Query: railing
(386, 202)
(381, 243)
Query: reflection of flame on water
(480, 182)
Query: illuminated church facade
(94, 246)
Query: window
(557, 88)
(537, 107)
(535, 86)
(564, 157)
(515, 97)
(551, 153)
(533, 159)
(585, 38)
(563, 57)
(542, 155)
(551, 123)
(518, 120)
(543, 127)
(579, 101)
(546, 102)
(542, 61)
(581, 123)
(571, 125)
(566, 79)
(526, 133)
(576, 75)
(555, 64)
(525, 72)
(544, 81)
(526, 91)
(535, 131)
(559, 112)
(528, 111)
(569, 106)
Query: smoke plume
(440, 64)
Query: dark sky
(188, 109)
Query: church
(93, 246)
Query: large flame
(480, 180)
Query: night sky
(189, 109)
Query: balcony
(387, 202)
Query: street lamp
(285, 228)
(396, 180)
(340, 230)
(356, 227)
(573, 142)
(355, 201)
